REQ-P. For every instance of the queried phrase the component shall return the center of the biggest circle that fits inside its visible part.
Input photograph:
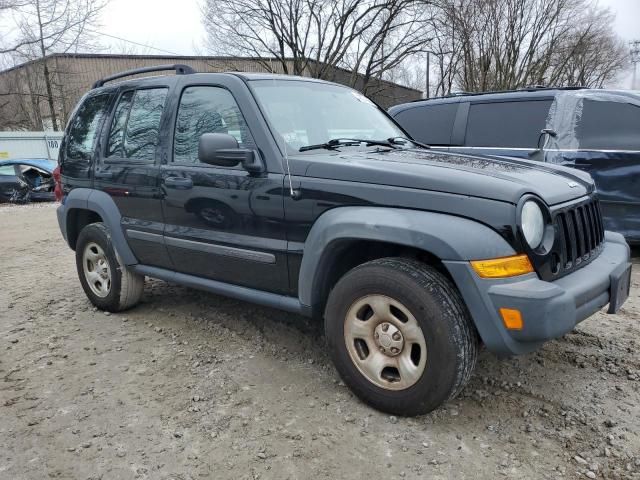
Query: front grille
(579, 236)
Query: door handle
(178, 182)
(106, 174)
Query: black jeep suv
(596, 131)
(303, 195)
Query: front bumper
(42, 197)
(549, 309)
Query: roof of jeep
(532, 93)
(247, 76)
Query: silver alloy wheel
(385, 342)
(97, 270)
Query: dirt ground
(189, 385)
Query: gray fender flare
(445, 236)
(101, 203)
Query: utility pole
(635, 59)
(427, 86)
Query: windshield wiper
(346, 142)
(403, 140)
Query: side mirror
(539, 154)
(223, 150)
(546, 133)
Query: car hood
(499, 178)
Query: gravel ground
(190, 385)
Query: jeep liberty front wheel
(105, 280)
(400, 335)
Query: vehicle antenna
(285, 152)
(292, 192)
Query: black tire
(451, 339)
(126, 287)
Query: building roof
(182, 59)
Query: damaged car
(27, 180)
(596, 131)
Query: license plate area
(620, 285)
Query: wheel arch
(83, 206)
(77, 219)
(345, 237)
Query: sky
(169, 25)
(627, 25)
(176, 26)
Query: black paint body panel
(228, 225)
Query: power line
(24, 12)
(133, 43)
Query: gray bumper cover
(61, 212)
(549, 309)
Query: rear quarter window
(609, 126)
(85, 127)
(431, 124)
(514, 124)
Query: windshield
(305, 113)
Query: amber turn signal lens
(502, 267)
(511, 318)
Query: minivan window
(609, 126)
(431, 124)
(506, 124)
(135, 127)
(206, 110)
(84, 127)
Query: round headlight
(532, 223)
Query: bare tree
(591, 55)
(320, 37)
(504, 44)
(45, 27)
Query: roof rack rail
(534, 88)
(179, 68)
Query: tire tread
(444, 296)
(131, 284)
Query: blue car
(27, 180)
(597, 131)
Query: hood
(499, 178)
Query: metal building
(25, 100)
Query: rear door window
(609, 126)
(85, 126)
(506, 124)
(431, 124)
(135, 128)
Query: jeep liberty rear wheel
(400, 335)
(105, 280)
